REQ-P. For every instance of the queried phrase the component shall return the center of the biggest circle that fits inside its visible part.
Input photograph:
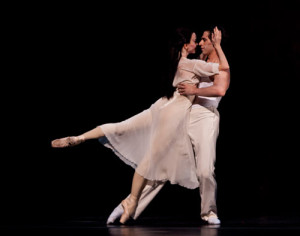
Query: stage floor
(160, 226)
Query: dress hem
(104, 141)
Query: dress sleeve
(203, 68)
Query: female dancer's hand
(216, 37)
(187, 89)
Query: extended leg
(75, 140)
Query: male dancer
(203, 131)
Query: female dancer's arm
(221, 80)
(216, 40)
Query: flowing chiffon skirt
(155, 142)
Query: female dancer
(155, 142)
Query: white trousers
(203, 131)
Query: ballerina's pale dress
(155, 142)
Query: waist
(206, 101)
(190, 97)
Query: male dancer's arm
(218, 89)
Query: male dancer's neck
(213, 57)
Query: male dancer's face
(206, 44)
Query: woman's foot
(67, 142)
(211, 218)
(117, 213)
(129, 205)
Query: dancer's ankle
(132, 199)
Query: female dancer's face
(191, 47)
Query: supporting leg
(149, 192)
(130, 204)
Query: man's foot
(67, 142)
(116, 214)
(212, 219)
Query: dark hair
(225, 38)
(210, 30)
(178, 38)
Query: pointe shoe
(129, 207)
(67, 142)
(212, 218)
(117, 213)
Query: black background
(71, 67)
